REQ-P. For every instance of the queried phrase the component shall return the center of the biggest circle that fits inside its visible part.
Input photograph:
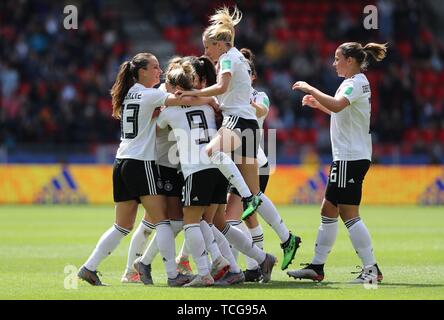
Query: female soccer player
(135, 173)
(352, 149)
(205, 186)
(252, 227)
(240, 127)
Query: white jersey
(350, 128)
(138, 129)
(236, 100)
(262, 99)
(166, 149)
(193, 128)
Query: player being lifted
(240, 129)
(352, 149)
(135, 173)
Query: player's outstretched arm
(330, 103)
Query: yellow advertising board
(383, 185)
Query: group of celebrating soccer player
(207, 177)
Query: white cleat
(130, 277)
(219, 267)
(201, 281)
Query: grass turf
(38, 242)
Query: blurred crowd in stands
(55, 82)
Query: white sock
(210, 242)
(195, 241)
(138, 242)
(361, 240)
(229, 169)
(251, 263)
(243, 244)
(269, 213)
(167, 247)
(257, 235)
(327, 233)
(177, 226)
(234, 251)
(152, 250)
(107, 243)
(184, 251)
(225, 249)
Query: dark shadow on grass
(284, 285)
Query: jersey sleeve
(226, 64)
(161, 120)
(351, 90)
(155, 97)
(262, 99)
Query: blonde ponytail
(222, 25)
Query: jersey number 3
(197, 120)
(129, 121)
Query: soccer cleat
(144, 272)
(180, 280)
(90, 276)
(219, 267)
(369, 275)
(230, 278)
(290, 247)
(130, 277)
(253, 275)
(183, 266)
(250, 205)
(311, 272)
(267, 267)
(201, 281)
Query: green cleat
(250, 205)
(290, 247)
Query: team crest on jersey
(168, 186)
(159, 184)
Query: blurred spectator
(55, 82)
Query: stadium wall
(92, 184)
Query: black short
(344, 184)
(172, 181)
(205, 187)
(135, 178)
(264, 175)
(249, 133)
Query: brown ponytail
(126, 78)
(124, 82)
(378, 51)
(361, 54)
(250, 57)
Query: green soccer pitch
(38, 242)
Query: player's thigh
(192, 214)
(219, 217)
(329, 210)
(348, 211)
(249, 170)
(126, 212)
(174, 208)
(234, 207)
(209, 212)
(225, 140)
(156, 207)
